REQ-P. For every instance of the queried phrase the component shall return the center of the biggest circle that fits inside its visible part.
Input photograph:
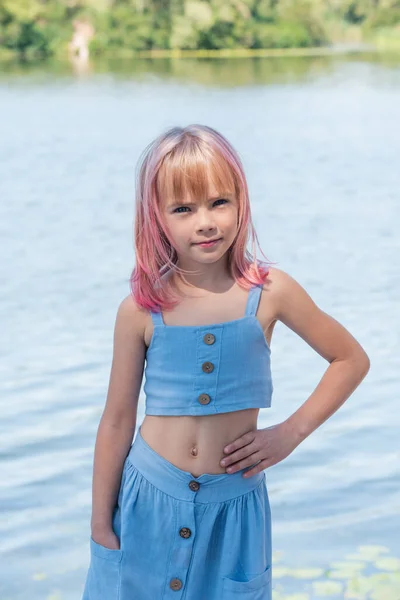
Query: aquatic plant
(368, 574)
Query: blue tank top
(208, 369)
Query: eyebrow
(182, 203)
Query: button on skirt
(184, 537)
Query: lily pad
(353, 567)
(327, 588)
(358, 588)
(279, 572)
(388, 563)
(370, 552)
(54, 596)
(385, 593)
(306, 573)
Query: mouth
(208, 243)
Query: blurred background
(309, 95)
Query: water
(320, 145)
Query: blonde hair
(185, 161)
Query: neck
(212, 277)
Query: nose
(205, 221)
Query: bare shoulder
(289, 300)
(292, 305)
(282, 289)
(131, 315)
(273, 288)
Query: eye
(177, 210)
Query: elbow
(366, 364)
(358, 361)
(364, 360)
(361, 360)
(363, 363)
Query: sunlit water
(320, 143)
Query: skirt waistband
(182, 485)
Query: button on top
(207, 367)
(209, 338)
(175, 584)
(204, 399)
(194, 485)
(185, 532)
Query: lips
(207, 241)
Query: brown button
(185, 532)
(209, 338)
(204, 399)
(207, 367)
(175, 584)
(194, 485)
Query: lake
(319, 139)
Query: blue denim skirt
(184, 537)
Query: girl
(183, 511)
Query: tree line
(43, 28)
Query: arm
(348, 365)
(348, 362)
(118, 421)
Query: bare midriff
(196, 443)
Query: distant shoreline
(262, 52)
(377, 46)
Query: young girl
(183, 511)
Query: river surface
(319, 139)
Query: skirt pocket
(106, 553)
(104, 577)
(257, 588)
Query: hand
(106, 538)
(266, 446)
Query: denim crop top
(208, 369)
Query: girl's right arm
(118, 421)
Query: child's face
(191, 221)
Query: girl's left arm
(348, 365)
(348, 361)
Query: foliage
(38, 28)
(31, 29)
(284, 34)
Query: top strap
(157, 318)
(253, 299)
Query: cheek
(178, 232)
(230, 221)
(171, 233)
